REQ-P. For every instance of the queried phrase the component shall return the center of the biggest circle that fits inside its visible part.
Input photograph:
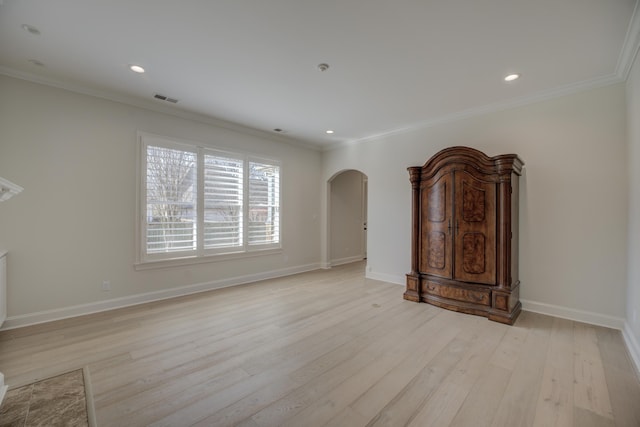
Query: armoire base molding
(494, 304)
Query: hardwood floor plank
(519, 402)
(555, 401)
(585, 418)
(329, 347)
(347, 417)
(275, 377)
(322, 410)
(480, 406)
(235, 355)
(372, 339)
(441, 330)
(590, 385)
(442, 406)
(621, 378)
(162, 401)
(410, 399)
(510, 348)
(252, 345)
(361, 352)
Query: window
(199, 202)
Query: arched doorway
(347, 219)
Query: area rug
(56, 401)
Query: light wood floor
(330, 348)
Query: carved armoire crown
(464, 245)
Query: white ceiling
(393, 64)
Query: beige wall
(633, 123)
(573, 228)
(73, 225)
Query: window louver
(264, 204)
(223, 198)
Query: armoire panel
(436, 230)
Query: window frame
(200, 254)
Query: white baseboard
(3, 388)
(536, 307)
(632, 346)
(573, 314)
(13, 322)
(383, 277)
(348, 260)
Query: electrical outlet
(106, 285)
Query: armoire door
(437, 227)
(475, 229)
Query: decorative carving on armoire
(464, 239)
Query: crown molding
(487, 109)
(156, 107)
(629, 51)
(631, 45)
(8, 189)
(623, 71)
(628, 54)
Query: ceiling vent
(165, 98)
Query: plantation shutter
(264, 204)
(223, 198)
(171, 189)
(197, 202)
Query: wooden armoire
(464, 245)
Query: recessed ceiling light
(136, 69)
(31, 29)
(511, 77)
(329, 131)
